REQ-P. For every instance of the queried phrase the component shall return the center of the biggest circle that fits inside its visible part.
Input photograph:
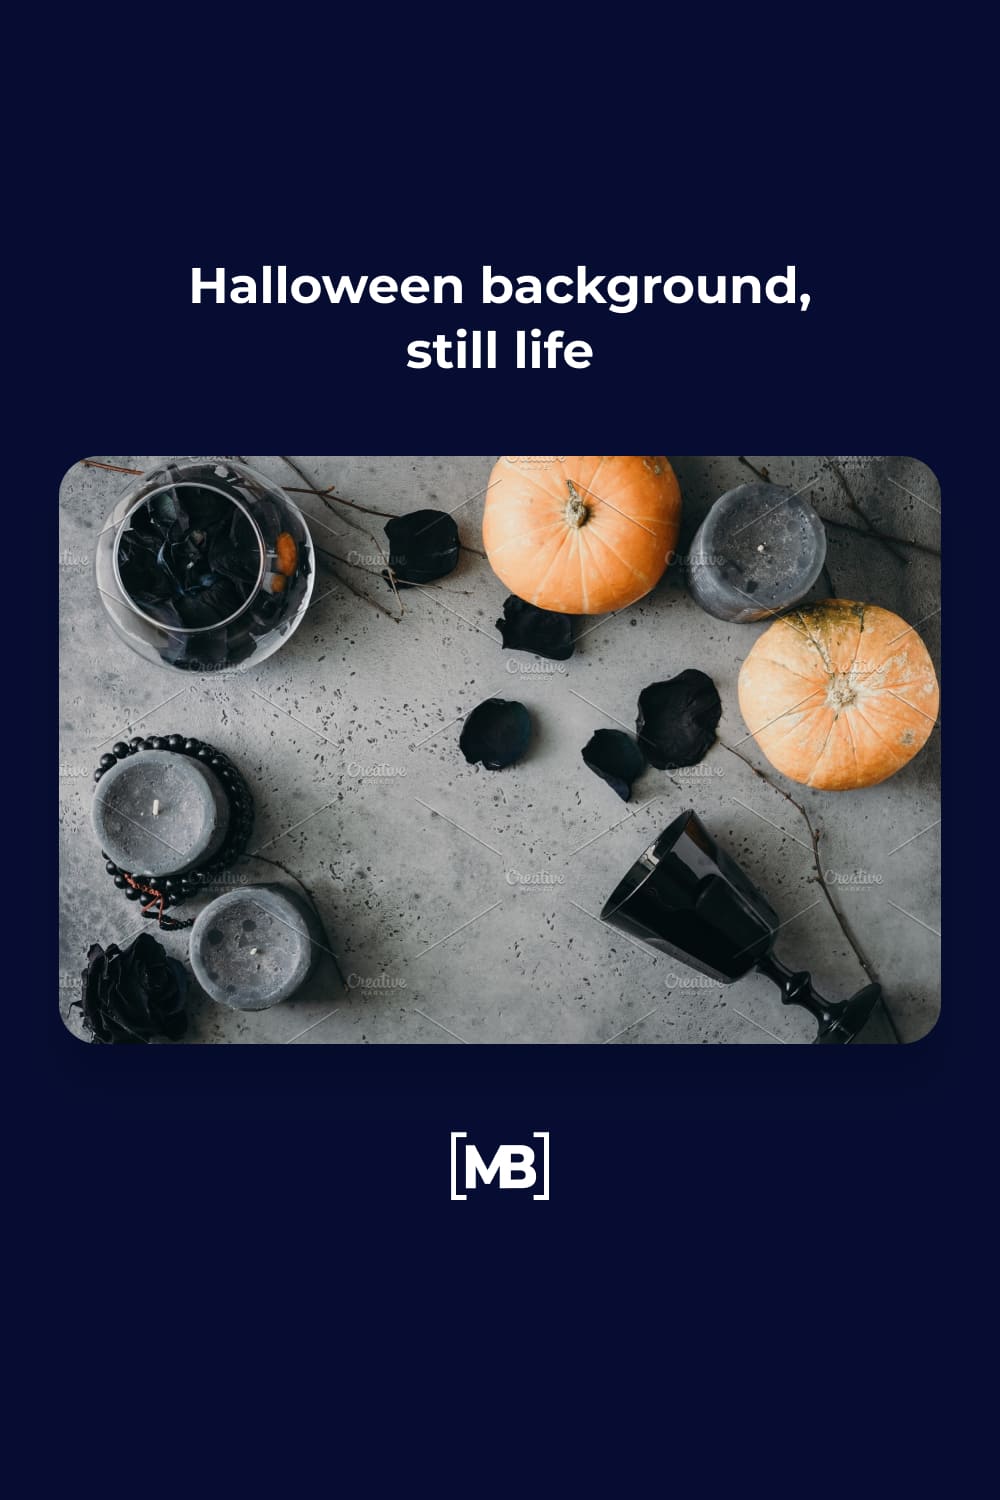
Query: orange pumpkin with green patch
(839, 695)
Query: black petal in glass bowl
(496, 733)
(188, 558)
(200, 508)
(208, 601)
(615, 757)
(678, 719)
(422, 546)
(143, 578)
(525, 627)
(163, 513)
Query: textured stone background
(435, 941)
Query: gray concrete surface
(461, 902)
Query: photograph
(546, 749)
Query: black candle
(252, 948)
(159, 813)
(170, 813)
(759, 550)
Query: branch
(760, 473)
(868, 529)
(815, 834)
(327, 495)
(869, 524)
(358, 593)
(324, 496)
(93, 463)
(900, 541)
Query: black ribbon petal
(525, 627)
(678, 719)
(615, 757)
(496, 733)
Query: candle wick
(156, 807)
(253, 950)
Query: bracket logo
(512, 1167)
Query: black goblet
(685, 897)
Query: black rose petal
(135, 995)
(188, 559)
(422, 546)
(267, 609)
(240, 645)
(177, 560)
(142, 577)
(678, 719)
(164, 612)
(235, 551)
(268, 518)
(145, 527)
(496, 733)
(199, 507)
(204, 651)
(208, 601)
(525, 627)
(164, 513)
(615, 757)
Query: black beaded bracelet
(163, 892)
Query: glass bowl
(205, 566)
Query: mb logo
(521, 1167)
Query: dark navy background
(759, 1244)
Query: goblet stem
(839, 1021)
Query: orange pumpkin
(839, 694)
(581, 535)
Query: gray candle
(254, 947)
(759, 550)
(160, 813)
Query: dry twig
(868, 529)
(93, 463)
(815, 835)
(866, 520)
(324, 496)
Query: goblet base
(839, 1021)
(844, 1019)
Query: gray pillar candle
(254, 947)
(759, 550)
(160, 813)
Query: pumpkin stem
(577, 513)
(841, 691)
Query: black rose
(135, 995)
